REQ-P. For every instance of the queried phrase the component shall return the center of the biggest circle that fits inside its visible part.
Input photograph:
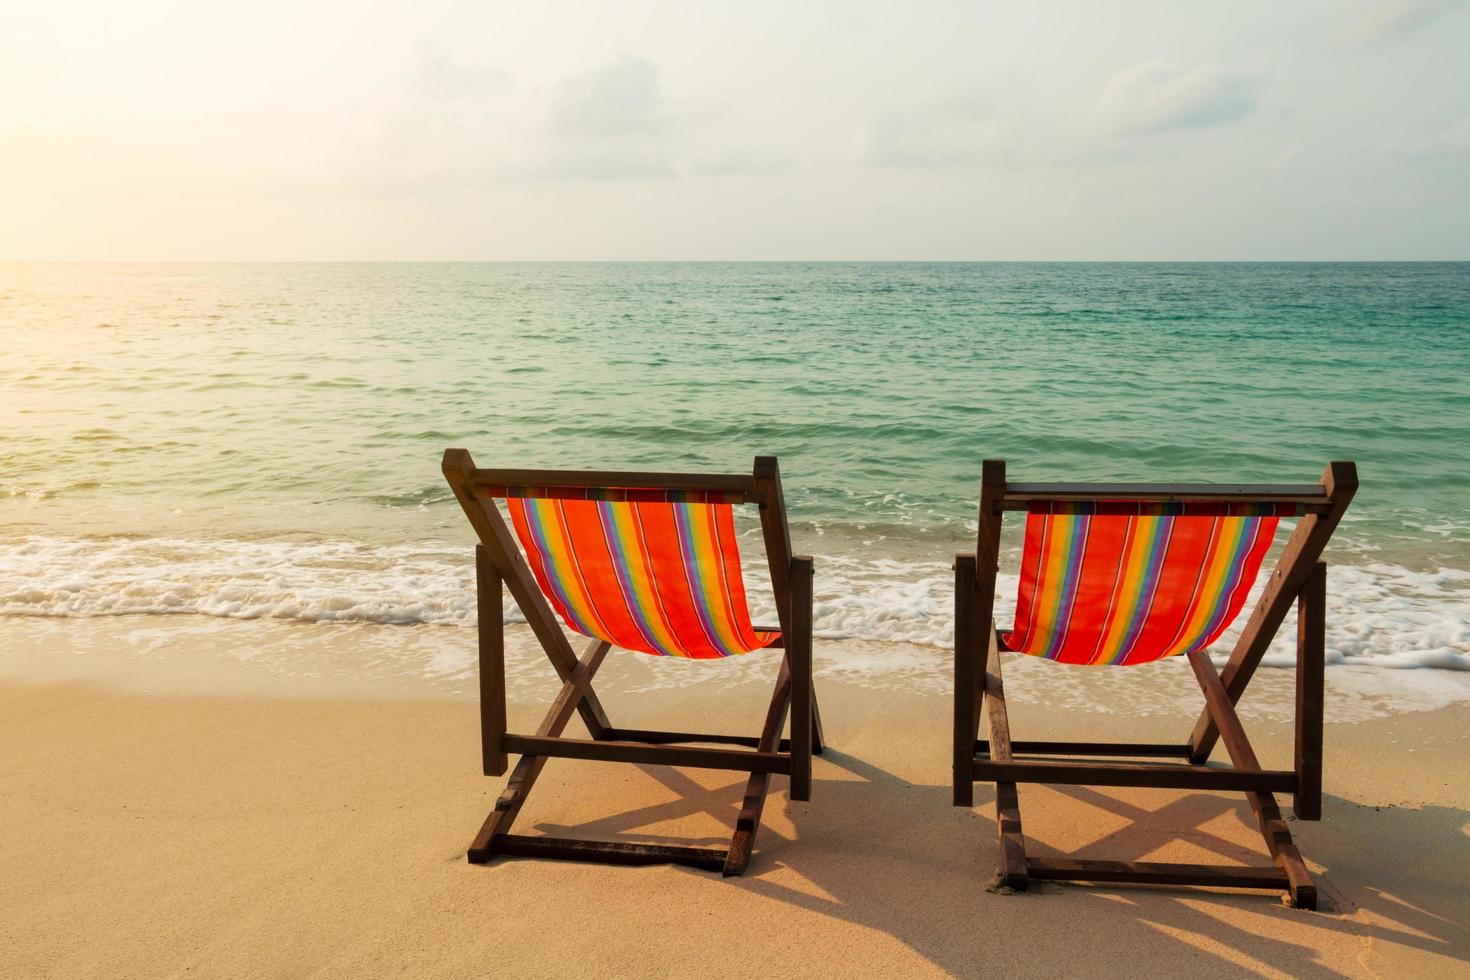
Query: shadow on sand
(896, 857)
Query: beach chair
(1123, 574)
(645, 562)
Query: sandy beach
(305, 826)
(345, 348)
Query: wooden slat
(1120, 750)
(609, 852)
(1156, 873)
(776, 532)
(733, 483)
(974, 628)
(689, 738)
(1011, 836)
(1311, 654)
(492, 664)
(490, 527)
(1194, 508)
(759, 784)
(656, 755)
(1000, 723)
(987, 540)
(987, 567)
(1018, 496)
(1130, 774)
(651, 737)
(1218, 704)
(529, 767)
(571, 692)
(1303, 549)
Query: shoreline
(1380, 613)
(195, 655)
(306, 831)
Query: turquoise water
(264, 439)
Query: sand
(187, 831)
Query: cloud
(615, 122)
(1155, 98)
(609, 122)
(620, 99)
(957, 133)
(445, 124)
(1288, 158)
(604, 162)
(1450, 142)
(1391, 21)
(451, 128)
(433, 72)
(740, 160)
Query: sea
(242, 441)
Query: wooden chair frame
(1299, 577)
(499, 564)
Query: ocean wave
(1379, 614)
(333, 581)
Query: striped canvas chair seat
(648, 570)
(1129, 583)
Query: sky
(163, 131)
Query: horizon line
(176, 261)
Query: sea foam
(1379, 614)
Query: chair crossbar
(1155, 776)
(629, 494)
(1155, 873)
(1118, 750)
(606, 750)
(650, 737)
(608, 852)
(739, 487)
(1310, 496)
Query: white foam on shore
(1379, 614)
(333, 581)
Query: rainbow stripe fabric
(1123, 588)
(656, 576)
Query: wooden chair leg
(986, 652)
(799, 654)
(526, 771)
(1287, 871)
(496, 539)
(819, 738)
(494, 837)
(748, 823)
(1311, 662)
(966, 681)
(1013, 870)
(1284, 850)
(507, 806)
(1221, 708)
(488, 591)
(1303, 549)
